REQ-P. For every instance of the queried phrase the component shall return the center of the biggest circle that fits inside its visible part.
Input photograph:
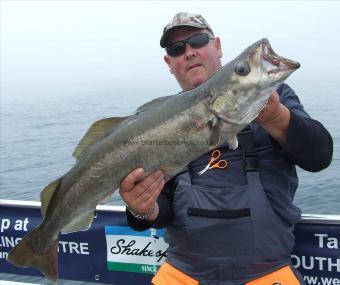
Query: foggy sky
(94, 44)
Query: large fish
(166, 133)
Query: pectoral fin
(233, 143)
(95, 133)
(214, 125)
(224, 118)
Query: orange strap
(169, 275)
(283, 276)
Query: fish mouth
(274, 65)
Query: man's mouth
(193, 66)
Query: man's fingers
(156, 192)
(267, 112)
(147, 199)
(143, 186)
(148, 205)
(131, 179)
(141, 193)
(148, 193)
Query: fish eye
(242, 68)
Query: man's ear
(217, 43)
(167, 61)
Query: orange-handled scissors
(214, 156)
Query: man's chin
(197, 81)
(194, 81)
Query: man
(232, 226)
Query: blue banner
(82, 255)
(317, 253)
(112, 253)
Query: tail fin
(26, 254)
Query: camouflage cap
(184, 19)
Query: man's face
(196, 65)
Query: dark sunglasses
(195, 41)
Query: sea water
(39, 129)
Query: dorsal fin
(96, 132)
(151, 103)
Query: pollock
(166, 133)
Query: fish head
(249, 80)
(269, 68)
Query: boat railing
(110, 252)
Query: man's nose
(189, 51)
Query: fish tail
(27, 254)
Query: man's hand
(140, 194)
(274, 118)
(270, 111)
